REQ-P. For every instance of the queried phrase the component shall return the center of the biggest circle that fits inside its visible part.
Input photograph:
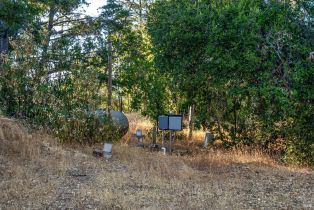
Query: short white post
(107, 151)
(163, 149)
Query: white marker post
(107, 151)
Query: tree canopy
(245, 66)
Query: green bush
(299, 153)
(62, 106)
(85, 128)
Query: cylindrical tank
(120, 121)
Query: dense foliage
(245, 66)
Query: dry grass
(198, 135)
(22, 160)
(205, 160)
(243, 155)
(15, 139)
(136, 121)
(18, 141)
(153, 164)
(38, 173)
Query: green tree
(51, 75)
(240, 62)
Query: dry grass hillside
(38, 173)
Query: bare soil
(38, 173)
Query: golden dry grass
(136, 121)
(198, 135)
(15, 139)
(36, 172)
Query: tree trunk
(46, 43)
(191, 122)
(109, 104)
(140, 13)
(129, 104)
(4, 42)
(4, 46)
(235, 121)
(219, 128)
(120, 103)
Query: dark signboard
(170, 122)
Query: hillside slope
(38, 173)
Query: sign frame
(170, 118)
(164, 125)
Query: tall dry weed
(16, 139)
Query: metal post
(170, 141)
(163, 138)
(154, 135)
(163, 141)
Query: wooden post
(155, 135)
(191, 122)
(235, 121)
